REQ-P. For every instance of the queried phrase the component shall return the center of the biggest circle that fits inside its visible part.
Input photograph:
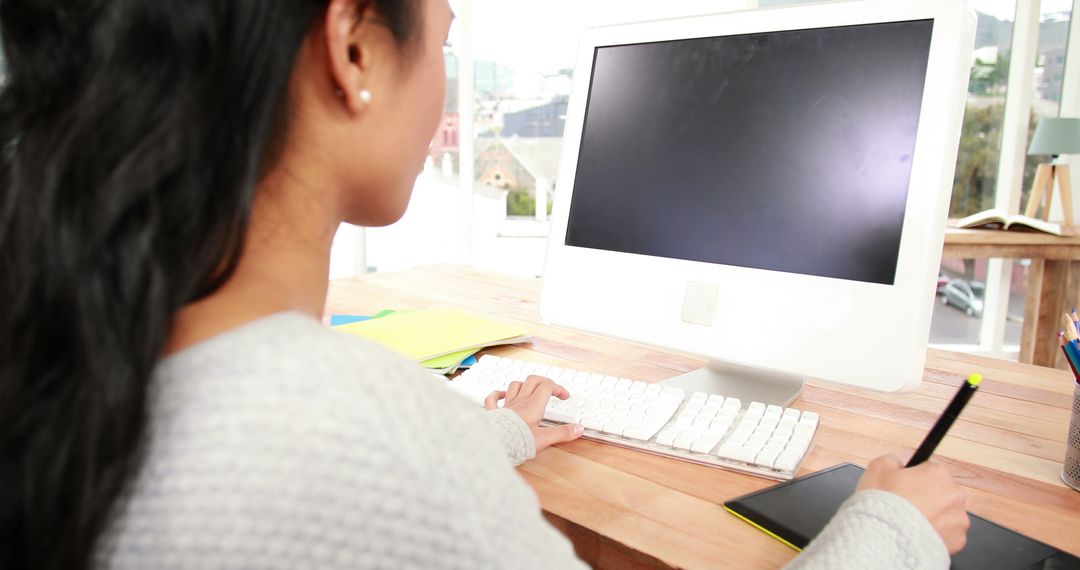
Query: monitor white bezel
(855, 333)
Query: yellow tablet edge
(762, 529)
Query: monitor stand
(743, 382)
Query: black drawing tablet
(795, 512)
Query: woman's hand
(930, 488)
(528, 399)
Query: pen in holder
(1070, 473)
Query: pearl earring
(366, 96)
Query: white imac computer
(767, 189)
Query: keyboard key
(673, 392)
(709, 412)
(743, 433)
(563, 416)
(666, 437)
(644, 432)
(704, 444)
(737, 453)
(684, 440)
(720, 427)
(783, 434)
(766, 457)
(756, 442)
(800, 441)
(778, 440)
(787, 423)
(593, 422)
(614, 427)
(787, 460)
(736, 440)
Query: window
(1055, 20)
(981, 158)
(977, 163)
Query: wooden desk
(626, 509)
(1053, 282)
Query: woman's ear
(349, 47)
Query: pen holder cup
(1070, 473)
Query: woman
(173, 175)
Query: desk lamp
(1055, 137)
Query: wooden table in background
(627, 509)
(1053, 282)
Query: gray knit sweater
(282, 444)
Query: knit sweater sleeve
(875, 529)
(514, 434)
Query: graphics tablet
(795, 512)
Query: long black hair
(132, 136)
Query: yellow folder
(427, 334)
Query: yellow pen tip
(974, 379)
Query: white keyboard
(709, 429)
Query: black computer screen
(788, 151)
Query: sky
(542, 36)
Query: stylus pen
(937, 433)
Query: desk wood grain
(626, 509)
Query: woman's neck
(284, 267)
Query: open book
(996, 218)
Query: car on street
(968, 296)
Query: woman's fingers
(492, 401)
(513, 390)
(534, 383)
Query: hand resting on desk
(930, 488)
(528, 399)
